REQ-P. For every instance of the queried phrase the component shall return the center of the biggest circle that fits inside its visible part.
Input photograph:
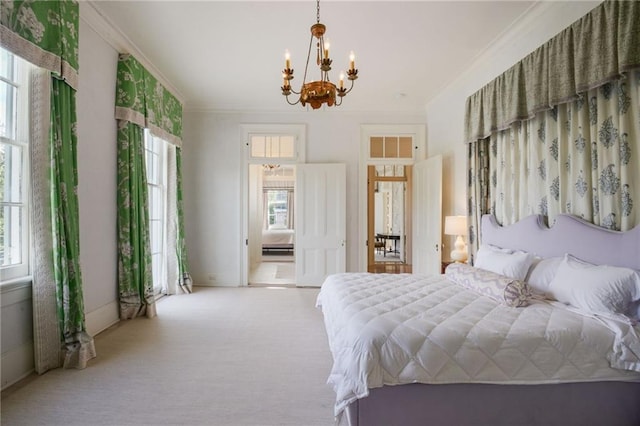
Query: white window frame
(158, 182)
(21, 115)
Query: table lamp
(457, 225)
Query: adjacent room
(305, 212)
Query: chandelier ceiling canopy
(322, 91)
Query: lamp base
(459, 255)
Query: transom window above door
(275, 146)
(390, 147)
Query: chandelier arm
(350, 87)
(347, 91)
(294, 103)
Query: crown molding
(109, 32)
(520, 32)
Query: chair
(379, 245)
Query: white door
(427, 219)
(320, 205)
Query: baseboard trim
(102, 318)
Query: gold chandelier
(316, 93)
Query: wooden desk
(394, 238)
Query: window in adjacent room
(14, 166)
(155, 157)
(277, 208)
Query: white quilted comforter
(396, 329)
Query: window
(155, 157)
(273, 146)
(391, 147)
(278, 208)
(14, 166)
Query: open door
(427, 219)
(320, 242)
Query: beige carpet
(220, 356)
(286, 271)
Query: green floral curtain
(135, 280)
(142, 102)
(78, 345)
(141, 99)
(184, 277)
(44, 33)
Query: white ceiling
(229, 55)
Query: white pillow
(513, 265)
(541, 273)
(597, 288)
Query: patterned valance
(142, 100)
(596, 49)
(44, 33)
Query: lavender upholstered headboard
(569, 234)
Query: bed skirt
(563, 404)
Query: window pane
(156, 236)
(7, 65)
(286, 147)
(155, 202)
(390, 147)
(8, 95)
(10, 235)
(271, 147)
(278, 207)
(156, 268)
(405, 147)
(257, 146)
(375, 147)
(11, 173)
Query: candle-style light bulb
(352, 61)
(342, 79)
(287, 59)
(326, 48)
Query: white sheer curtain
(46, 329)
(171, 264)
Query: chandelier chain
(318, 11)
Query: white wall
(97, 177)
(445, 114)
(212, 192)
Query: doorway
(389, 226)
(273, 223)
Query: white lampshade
(455, 225)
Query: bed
(492, 345)
(277, 239)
